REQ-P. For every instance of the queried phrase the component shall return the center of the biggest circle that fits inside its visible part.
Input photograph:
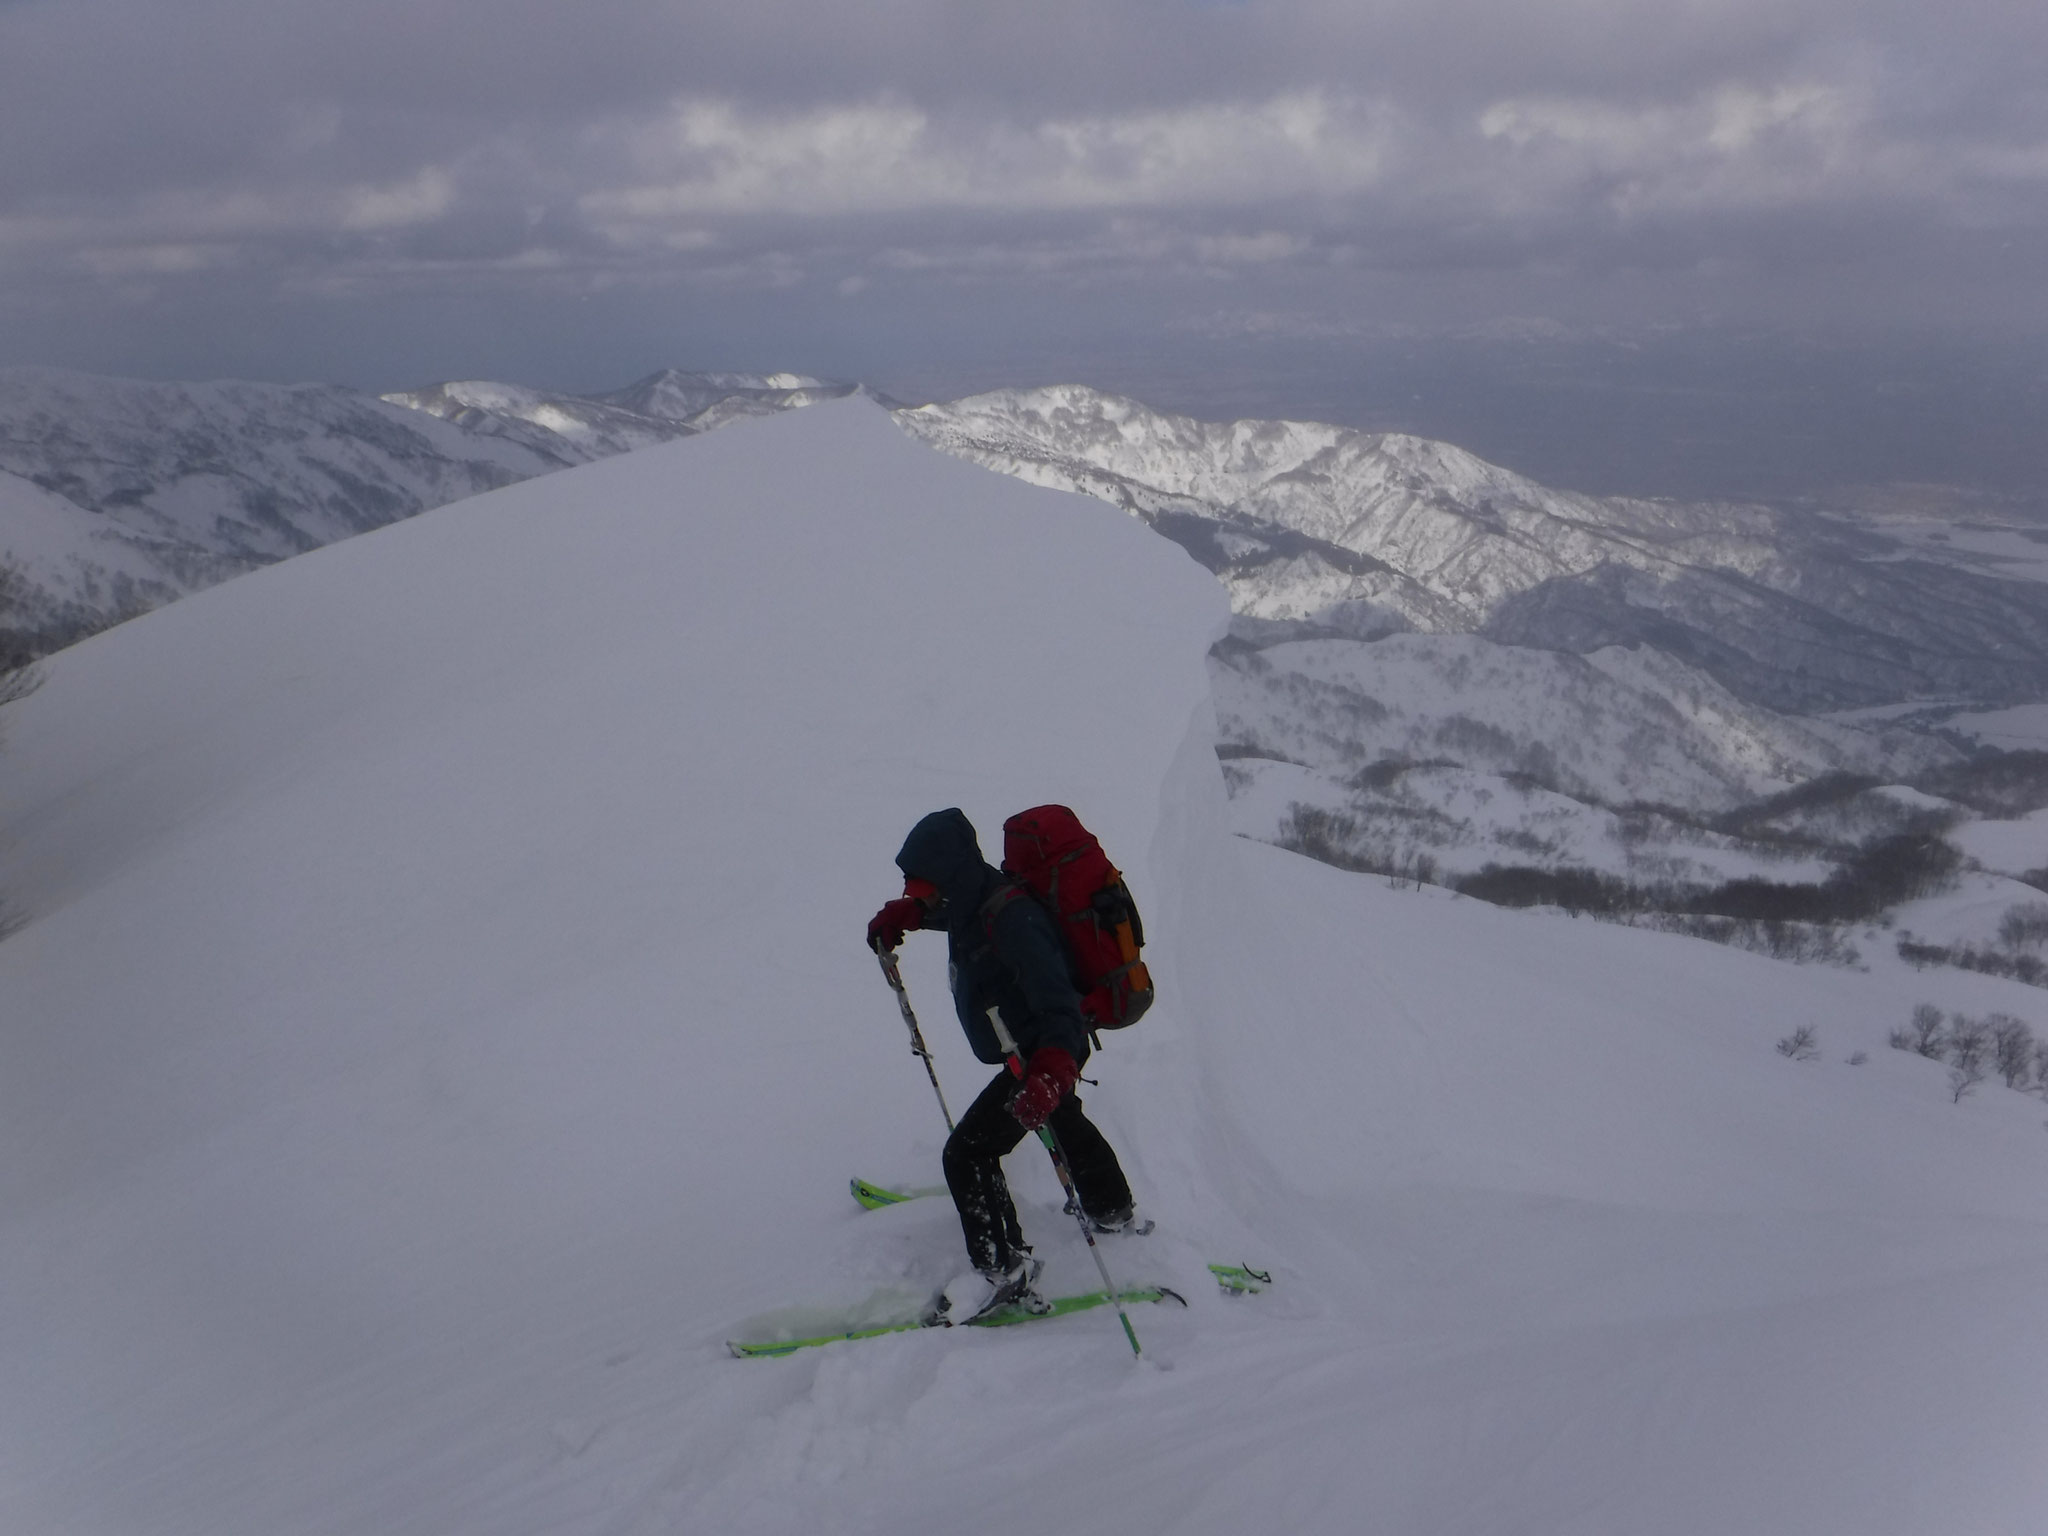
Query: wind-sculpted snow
(1364, 532)
(443, 1019)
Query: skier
(1009, 967)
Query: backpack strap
(1009, 890)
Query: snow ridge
(437, 1031)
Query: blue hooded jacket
(1017, 964)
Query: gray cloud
(979, 174)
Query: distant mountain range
(578, 428)
(1366, 533)
(138, 492)
(1439, 665)
(117, 495)
(1421, 637)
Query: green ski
(1002, 1317)
(1236, 1279)
(1241, 1279)
(874, 1196)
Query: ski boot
(1115, 1223)
(979, 1292)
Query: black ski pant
(974, 1171)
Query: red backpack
(1058, 861)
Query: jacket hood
(943, 849)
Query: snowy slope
(444, 1021)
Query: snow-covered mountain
(121, 494)
(436, 1032)
(705, 400)
(1548, 739)
(569, 429)
(118, 495)
(1365, 532)
(1438, 665)
(1618, 727)
(1423, 640)
(657, 409)
(1348, 532)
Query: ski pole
(917, 1046)
(1051, 1141)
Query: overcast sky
(1381, 212)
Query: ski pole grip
(1007, 1041)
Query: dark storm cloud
(1252, 159)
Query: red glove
(1049, 1078)
(894, 920)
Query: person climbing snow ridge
(1013, 985)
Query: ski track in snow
(443, 1024)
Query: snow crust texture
(443, 1022)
